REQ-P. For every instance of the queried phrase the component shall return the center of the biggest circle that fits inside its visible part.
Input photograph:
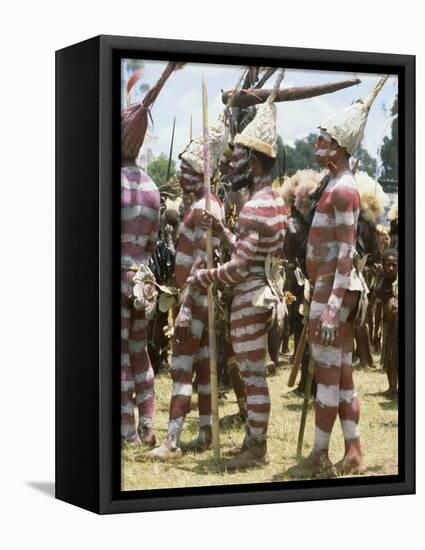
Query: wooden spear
(306, 403)
(170, 158)
(210, 265)
(298, 356)
(244, 98)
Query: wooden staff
(244, 98)
(170, 158)
(298, 356)
(210, 265)
(307, 394)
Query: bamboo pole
(210, 265)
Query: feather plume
(373, 199)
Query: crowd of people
(313, 250)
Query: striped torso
(192, 238)
(332, 237)
(260, 231)
(140, 203)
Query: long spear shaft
(307, 395)
(170, 158)
(298, 356)
(210, 265)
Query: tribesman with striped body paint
(260, 233)
(140, 222)
(140, 203)
(190, 342)
(336, 290)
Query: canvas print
(259, 274)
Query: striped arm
(229, 239)
(345, 202)
(238, 268)
(184, 251)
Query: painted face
(324, 149)
(240, 168)
(190, 181)
(390, 266)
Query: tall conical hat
(261, 133)
(134, 118)
(347, 128)
(194, 152)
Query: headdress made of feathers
(373, 199)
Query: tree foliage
(157, 169)
(389, 149)
(367, 162)
(301, 155)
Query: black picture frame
(87, 244)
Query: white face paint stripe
(327, 137)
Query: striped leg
(181, 373)
(333, 372)
(349, 407)
(128, 428)
(249, 340)
(201, 367)
(142, 371)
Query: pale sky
(181, 97)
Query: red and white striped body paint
(260, 231)
(330, 252)
(140, 202)
(192, 355)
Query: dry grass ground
(379, 422)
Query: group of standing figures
(315, 224)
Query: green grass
(378, 423)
